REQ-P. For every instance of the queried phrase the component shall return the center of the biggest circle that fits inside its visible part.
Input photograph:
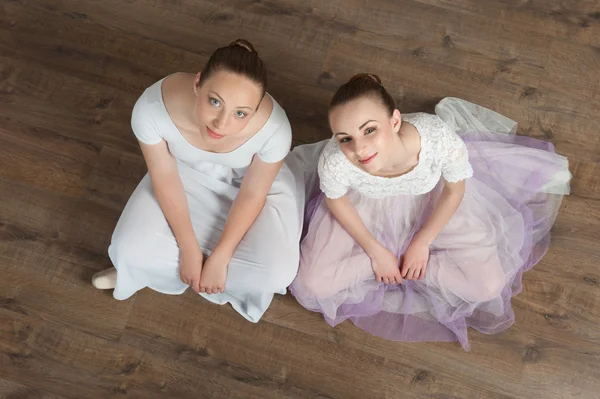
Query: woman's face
(225, 102)
(365, 132)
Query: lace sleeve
(332, 181)
(454, 156)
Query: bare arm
(248, 203)
(384, 263)
(446, 205)
(171, 197)
(417, 253)
(246, 207)
(168, 188)
(346, 214)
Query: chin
(370, 169)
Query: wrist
(371, 247)
(423, 238)
(225, 249)
(189, 246)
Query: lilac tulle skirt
(500, 230)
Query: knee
(487, 290)
(282, 266)
(309, 283)
(284, 271)
(132, 250)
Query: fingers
(195, 284)
(398, 277)
(183, 278)
(415, 272)
(392, 280)
(404, 270)
(422, 275)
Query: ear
(197, 83)
(396, 120)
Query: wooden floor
(70, 72)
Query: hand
(385, 266)
(415, 260)
(190, 267)
(214, 272)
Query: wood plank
(75, 364)
(114, 177)
(446, 36)
(69, 229)
(575, 66)
(180, 23)
(278, 356)
(12, 390)
(521, 361)
(43, 287)
(71, 108)
(572, 19)
(70, 73)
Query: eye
(240, 114)
(369, 130)
(346, 140)
(214, 102)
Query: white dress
(144, 250)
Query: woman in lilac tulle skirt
(423, 224)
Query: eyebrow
(359, 128)
(224, 102)
(363, 125)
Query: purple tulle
(510, 205)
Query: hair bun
(245, 44)
(366, 76)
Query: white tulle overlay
(514, 188)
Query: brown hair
(363, 85)
(239, 57)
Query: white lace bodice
(443, 154)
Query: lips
(213, 135)
(367, 160)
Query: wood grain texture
(70, 73)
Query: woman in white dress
(219, 210)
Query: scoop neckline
(164, 108)
(403, 175)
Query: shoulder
(279, 135)
(145, 114)
(332, 162)
(428, 124)
(333, 171)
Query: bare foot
(106, 279)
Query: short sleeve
(143, 121)
(332, 181)
(278, 145)
(454, 156)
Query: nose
(360, 147)
(220, 121)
